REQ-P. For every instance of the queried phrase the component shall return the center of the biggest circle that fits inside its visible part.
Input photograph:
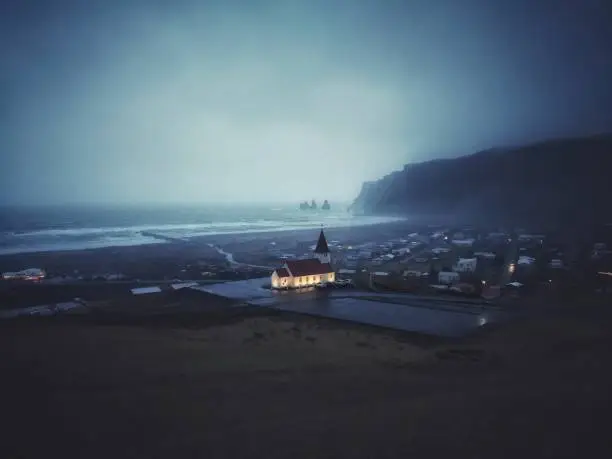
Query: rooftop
(308, 267)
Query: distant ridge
(550, 182)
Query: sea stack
(313, 205)
(325, 205)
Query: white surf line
(230, 258)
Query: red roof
(282, 272)
(308, 267)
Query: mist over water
(34, 229)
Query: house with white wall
(304, 273)
(463, 242)
(466, 265)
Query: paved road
(230, 258)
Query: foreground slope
(290, 387)
(554, 182)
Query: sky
(282, 101)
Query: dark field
(16, 295)
(282, 386)
(154, 261)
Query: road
(230, 258)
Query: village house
(531, 237)
(525, 260)
(463, 242)
(304, 273)
(485, 255)
(556, 263)
(448, 277)
(415, 273)
(466, 265)
(346, 272)
(26, 274)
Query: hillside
(287, 386)
(550, 182)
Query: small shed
(145, 290)
(184, 285)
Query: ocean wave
(69, 245)
(60, 239)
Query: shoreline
(70, 239)
(218, 239)
(201, 249)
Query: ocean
(43, 229)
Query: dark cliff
(550, 182)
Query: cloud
(129, 101)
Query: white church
(304, 273)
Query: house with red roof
(304, 273)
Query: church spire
(322, 250)
(322, 244)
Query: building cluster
(31, 274)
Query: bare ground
(282, 386)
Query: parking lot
(259, 288)
(240, 290)
(398, 311)
(419, 319)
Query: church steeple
(321, 251)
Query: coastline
(63, 234)
(194, 250)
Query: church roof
(282, 272)
(308, 267)
(321, 244)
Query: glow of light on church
(305, 273)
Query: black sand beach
(155, 260)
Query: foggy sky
(282, 100)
